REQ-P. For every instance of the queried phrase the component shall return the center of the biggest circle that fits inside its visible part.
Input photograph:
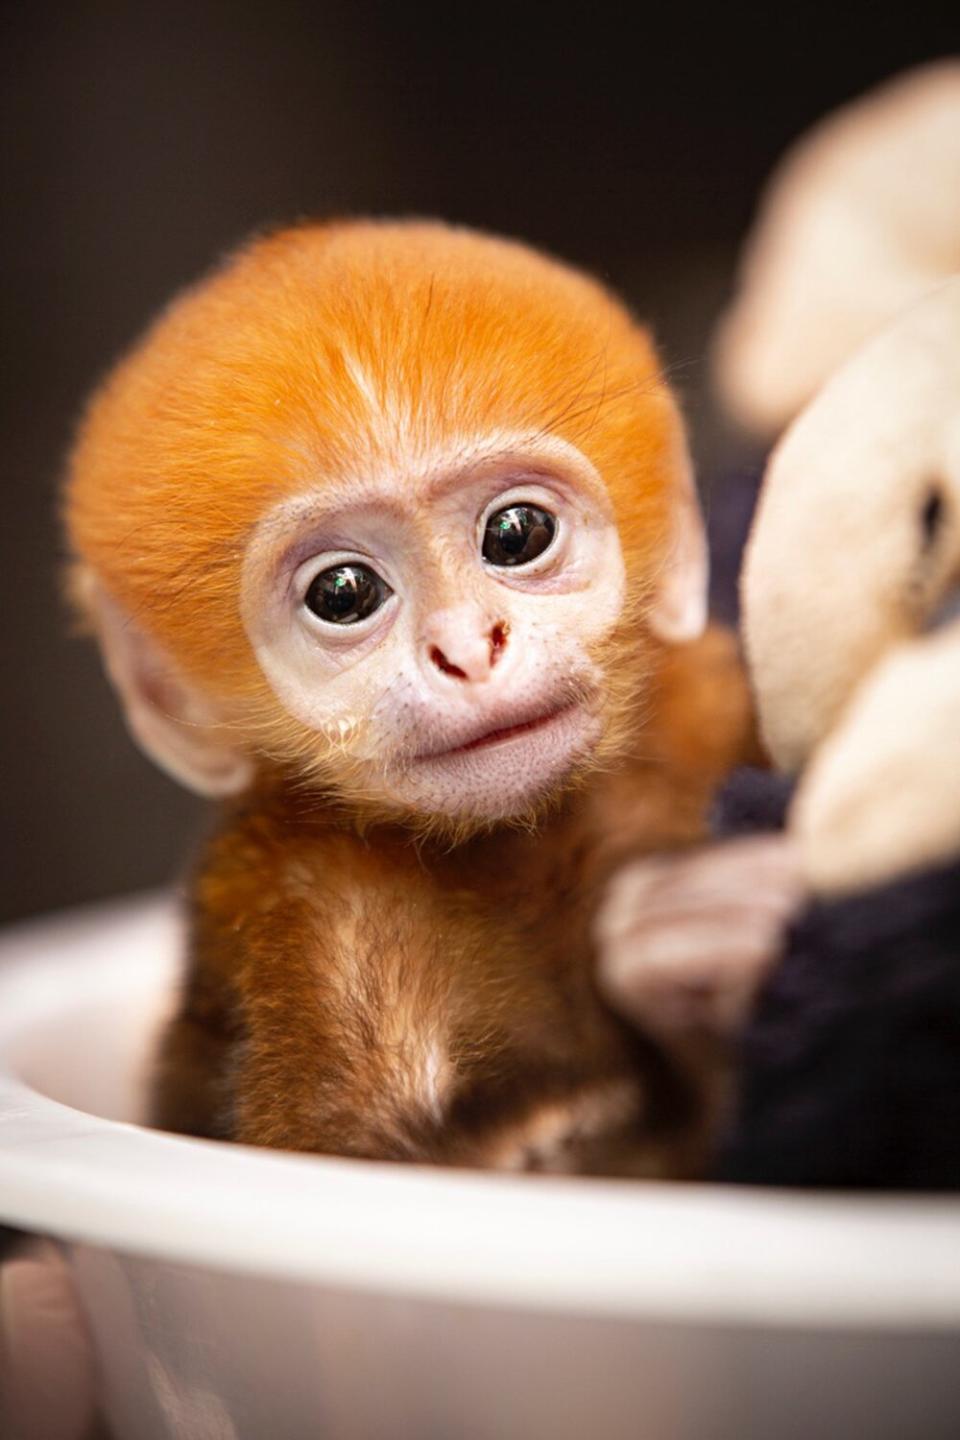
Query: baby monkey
(388, 534)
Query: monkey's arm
(696, 726)
(687, 927)
(317, 1012)
(279, 1039)
(704, 723)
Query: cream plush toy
(848, 1059)
(852, 572)
(851, 1059)
(861, 217)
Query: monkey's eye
(517, 535)
(345, 594)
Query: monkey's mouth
(507, 762)
(505, 732)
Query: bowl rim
(693, 1253)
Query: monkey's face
(437, 632)
(382, 505)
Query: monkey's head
(395, 509)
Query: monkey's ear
(679, 610)
(170, 719)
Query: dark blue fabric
(750, 801)
(729, 501)
(850, 1062)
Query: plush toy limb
(880, 797)
(685, 940)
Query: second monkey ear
(169, 718)
(679, 609)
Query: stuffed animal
(847, 1061)
(860, 218)
(851, 1059)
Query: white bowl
(233, 1292)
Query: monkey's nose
(465, 652)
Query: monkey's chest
(386, 1009)
(483, 1039)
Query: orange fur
(357, 985)
(326, 966)
(249, 380)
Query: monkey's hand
(684, 940)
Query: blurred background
(141, 143)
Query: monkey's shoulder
(704, 707)
(694, 726)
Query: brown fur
(327, 962)
(364, 979)
(240, 395)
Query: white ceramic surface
(240, 1293)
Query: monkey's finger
(756, 860)
(628, 916)
(688, 885)
(682, 947)
(701, 975)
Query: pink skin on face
(498, 736)
(468, 688)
